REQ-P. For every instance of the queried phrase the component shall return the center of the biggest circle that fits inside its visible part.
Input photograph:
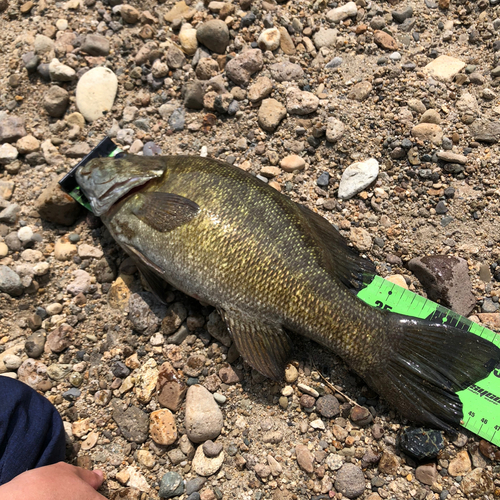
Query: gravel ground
(294, 92)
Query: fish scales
(271, 266)
(268, 253)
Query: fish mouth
(115, 193)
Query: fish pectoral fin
(150, 272)
(165, 211)
(264, 347)
(339, 259)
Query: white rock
(205, 466)
(88, 251)
(96, 92)
(357, 177)
(187, 39)
(25, 234)
(269, 39)
(81, 283)
(340, 13)
(444, 68)
(12, 362)
(8, 153)
(325, 38)
(318, 424)
(301, 102)
(54, 308)
(137, 480)
(41, 268)
(334, 129)
(59, 72)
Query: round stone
(96, 92)
(350, 481)
(292, 163)
(214, 35)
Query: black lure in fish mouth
(105, 181)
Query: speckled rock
(133, 422)
(146, 379)
(350, 481)
(300, 102)
(477, 483)
(162, 427)
(286, 71)
(460, 465)
(428, 132)
(334, 129)
(244, 65)
(60, 339)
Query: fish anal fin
(151, 273)
(165, 211)
(264, 347)
(339, 259)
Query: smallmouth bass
(271, 266)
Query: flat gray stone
(357, 177)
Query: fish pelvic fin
(264, 347)
(429, 364)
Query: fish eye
(121, 154)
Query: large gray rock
(203, 419)
(10, 282)
(56, 101)
(11, 128)
(133, 422)
(350, 481)
(445, 278)
(214, 35)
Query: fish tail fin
(427, 364)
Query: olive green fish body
(270, 266)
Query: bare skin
(60, 481)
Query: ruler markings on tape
(481, 401)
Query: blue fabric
(31, 430)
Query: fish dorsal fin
(165, 211)
(264, 347)
(151, 273)
(339, 259)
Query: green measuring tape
(481, 401)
